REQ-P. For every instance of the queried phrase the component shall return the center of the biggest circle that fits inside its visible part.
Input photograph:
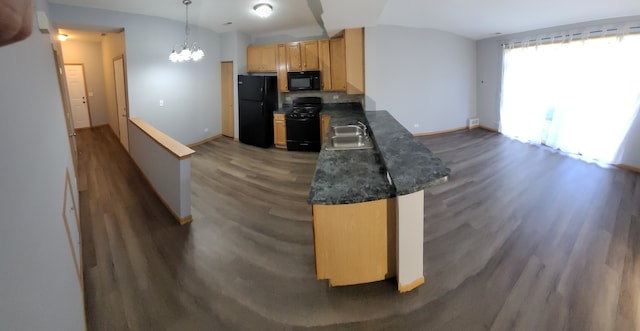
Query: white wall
(425, 78)
(190, 91)
(90, 54)
(169, 175)
(39, 289)
(489, 64)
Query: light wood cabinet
(338, 62)
(354, 55)
(302, 56)
(355, 243)
(281, 63)
(324, 59)
(324, 126)
(261, 58)
(279, 131)
(332, 64)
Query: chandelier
(188, 52)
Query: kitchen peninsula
(368, 203)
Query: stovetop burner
(305, 107)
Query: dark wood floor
(520, 238)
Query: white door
(64, 95)
(121, 102)
(77, 95)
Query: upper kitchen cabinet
(282, 68)
(302, 56)
(261, 58)
(338, 61)
(332, 64)
(324, 58)
(354, 50)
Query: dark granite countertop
(349, 176)
(411, 165)
(353, 176)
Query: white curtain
(579, 96)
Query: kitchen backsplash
(327, 97)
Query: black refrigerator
(257, 100)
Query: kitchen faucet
(363, 127)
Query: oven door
(303, 134)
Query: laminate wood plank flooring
(520, 238)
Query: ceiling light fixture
(187, 53)
(63, 37)
(263, 9)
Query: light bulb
(263, 9)
(185, 54)
(174, 57)
(197, 55)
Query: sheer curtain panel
(578, 96)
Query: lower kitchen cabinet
(279, 131)
(324, 125)
(355, 243)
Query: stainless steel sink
(349, 137)
(347, 130)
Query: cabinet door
(324, 126)
(338, 59)
(309, 53)
(282, 68)
(268, 56)
(254, 58)
(324, 57)
(354, 50)
(294, 60)
(279, 131)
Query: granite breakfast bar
(368, 204)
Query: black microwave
(303, 80)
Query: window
(580, 96)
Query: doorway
(68, 116)
(78, 95)
(121, 101)
(227, 98)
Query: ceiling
(470, 18)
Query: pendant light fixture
(188, 52)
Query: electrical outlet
(473, 123)
(161, 103)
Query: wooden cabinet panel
(254, 58)
(309, 55)
(324, 126)
(302, 56)
(354, 243)
(279, 131)
(324, 59)
(269, 58)
(338, 62)
(354, 51)
(281, 62)
(261, 58)
(294, 60)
